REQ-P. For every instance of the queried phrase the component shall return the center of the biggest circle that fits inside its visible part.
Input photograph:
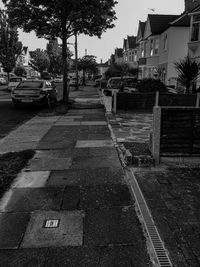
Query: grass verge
(10, 165)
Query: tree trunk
(64, 59)
(84, 77)
(8, 75)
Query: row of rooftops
(158, 23)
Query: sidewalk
(170, 190)
(71, 205)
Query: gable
(147, 30)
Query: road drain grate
(160, 252)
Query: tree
(87, 63)
(117, 70)
(188, 73)
(20, 71)
(39, 60)
(62, 18)
(54, 52)
(10, 47)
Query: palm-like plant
(188, 72)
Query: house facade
(162, 41)
(130, 48)
(173, 47)
(141, 52)
(118, 56)
(194, 36)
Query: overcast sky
(128, 13)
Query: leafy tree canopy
(20, 71)
(39, 60)
(48, 18)
(10, 47)
(62, 18)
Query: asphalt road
(10, 118)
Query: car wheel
(49, 103)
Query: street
(10, 118)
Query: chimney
(101, 61)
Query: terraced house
(130, 48)
(162, 40)
(193, 9)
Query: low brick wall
(146, 101)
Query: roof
(142, 27)
(159, 23)
(119, 52)
(125, 44)
(182, 21)
(131, 40)
(196, 9)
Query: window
(156, 46)
(142, 49)
(151, 47)
(165, 42)
(195, 28)
(135, 56)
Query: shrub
(151, 85)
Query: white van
(14, 81)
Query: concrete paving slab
(23, 257)
(45, 164)
(13, 226)
(16, 147)
(95, 162)
(71, 198)
(114, 226)
(93, 123)
(68, 123)
(68, 233)
(59, 144)
(105, 151)
(98, 136)
(65, 178)
(94, 143)
(29, 199)
(86, 177)
(103, 196)
(31, 179)
(73, 257)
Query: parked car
(35, 92)
(13, 82)
(125, 83)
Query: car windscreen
(14, 80)
(31, 85)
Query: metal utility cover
(69, 232)
(51, 223)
